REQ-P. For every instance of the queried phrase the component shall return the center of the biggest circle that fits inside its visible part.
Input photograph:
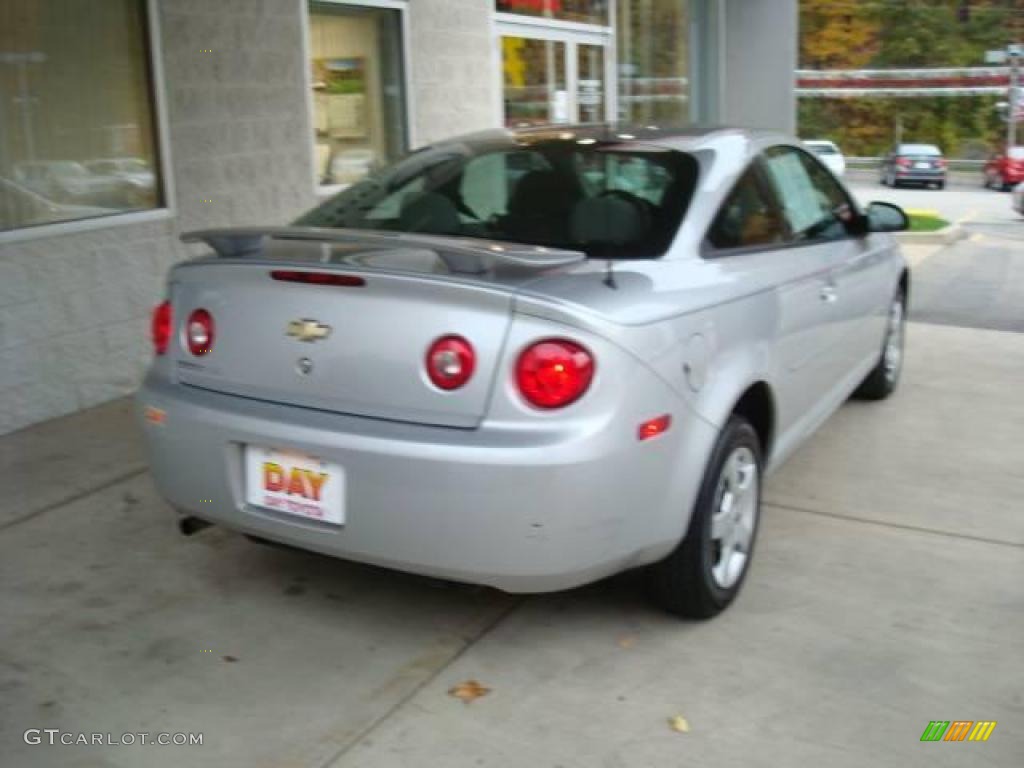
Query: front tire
(703, 575)
(885, 376)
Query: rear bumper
(920, 175)
(521, 511)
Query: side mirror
(886, 217)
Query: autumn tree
(836, 35)
(847, 34)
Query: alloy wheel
(735, 516)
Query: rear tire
(885, 376)
(703, 575)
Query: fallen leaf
(679, 724)
(627, 642)
(468, 691)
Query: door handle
(828, 294)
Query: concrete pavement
(886, 592)
(977, 283)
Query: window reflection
(76, 116)
(653, 68)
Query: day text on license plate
(295, 484)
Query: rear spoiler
(461, 255)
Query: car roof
(742, 142)
(647, 133)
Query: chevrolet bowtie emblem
(308, 330)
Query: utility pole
(1013, 53)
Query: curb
(943, 236)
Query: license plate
(922, 165)
(295, 484)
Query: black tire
(684, 583)
(941, 185)
(882, 382)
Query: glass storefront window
(534, 80)
(358, 90)
(584, 11)
(77, 134)
(653, 61)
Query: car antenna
(609, 275)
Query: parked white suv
(829, 154)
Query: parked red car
(1005, 170)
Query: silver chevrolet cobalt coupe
(528, 359)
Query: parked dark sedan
(914, 164)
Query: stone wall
(454, 80)
(74, 308)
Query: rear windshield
(607, 199)
(1016, 153)
(920, 149)
(823, 149)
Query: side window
(814, 205)
(747, 218)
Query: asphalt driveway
(887, 591)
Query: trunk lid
(358, 348)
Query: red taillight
(941, 162)
(317, 278)
(903, 162)
(554, 373)
(160, 327)
(199, 332)
(450, 362)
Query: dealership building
(124, 123)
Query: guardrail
(874, 163)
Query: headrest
(542, 189)
(608, 220)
